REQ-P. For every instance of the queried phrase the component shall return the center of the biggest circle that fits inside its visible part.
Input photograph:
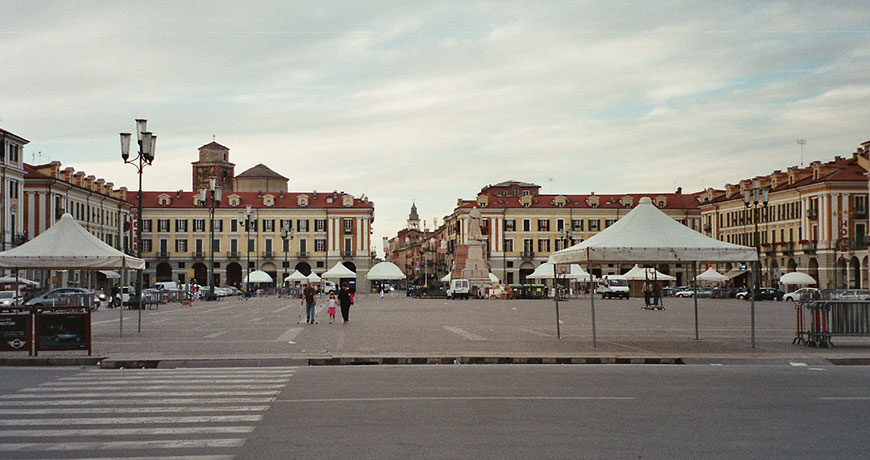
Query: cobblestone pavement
(270, 327)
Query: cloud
(431, 102)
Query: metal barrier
(820, 320)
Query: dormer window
(347, 201)
(482, 201)
(302, 201)
(268, 200)
(526, 201)
(661, 201)
(560, 201)
(593, 201)
(234, 200)
(164, 200)
(627, 201)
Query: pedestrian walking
(115, 293)
(330, 307)
(382, 290)
(657, 294)
(647, 293)
(309, 302)
(345, 300)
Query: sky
(431, 101)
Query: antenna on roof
(802, 143)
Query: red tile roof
(606, 201)
(185, 200)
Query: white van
(167, 285)
(611, 286)
(459, 289)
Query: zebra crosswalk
(144, 414)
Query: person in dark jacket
(345, 302)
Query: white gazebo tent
(647, 235)
(258, 276)
(68, 245)
(296, 276)
(385, 271)
(643, 274)
(446, 278)
(712, 276)
(313, 278)
(338, 271)
(797, 278)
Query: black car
(762, 294)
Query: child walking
(330, 310)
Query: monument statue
(474, 225)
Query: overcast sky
(431, 101)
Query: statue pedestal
(471, 265)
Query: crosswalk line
(128, 410)
(143, 394)
(146, 386)
(129, 420)
(178, 380)
(106, 445)
(126, 431)
(134, 402)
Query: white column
(359, 235)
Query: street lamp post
(211, 196)
(145, 156)
(246, 216)
(286, 235)
(753, 198)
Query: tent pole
(556, 298)
(695, 295)
(752, 302)
(592, 299)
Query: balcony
(234, 255)
(813, 213)
(198, 255)
(787, 248)
(347, 253)
(860, 244)
(269, 254)
(302, 254)
(708, 228)
(162, 255)
(528, 254)
(808, 246)
(768, 249)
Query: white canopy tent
(112, 275)
(19, 280)
(797, 278)
(648, 235)
(643, 274)
(492, 278)
(446, 278)
(338, 271)
(384, 271)
(313, 278)
(546, 271)
(258, 276)
(711, 275)
(67, 245)
(296, 276)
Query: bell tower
(213, 162)
(413, 218)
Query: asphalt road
(789, 410)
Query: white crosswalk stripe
(145, 414)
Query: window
(528, 246)
(860, 204)
(527, 225)
(594, 225)
(251, 245)
(510, 225)
(268, 225)
(560, 225)
(146, 225)
(544, 245)
(320, 245)
(508, 244)
(146, 245)
(268, 245)
(216, 245)
(199, 225)
(348, 245)
(197, 245)
(543, 225)
(234, 225)
(181, 245)
(180, 225)
(577, 225)
(348, 225)
(162, 225)
(287, 223)
(13, 189)
(303, 246)
(609, 222)
(319, 226)
(302, 225)
(234, 246)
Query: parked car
(762, 294)
(58, 296)
(9, 299)
(855, 294)
(683, 293)
(702, 292)
(803, 294)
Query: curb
(386, 360)
(34, 361)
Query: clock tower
(213, 162)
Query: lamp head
(141, 127)
(125, 146)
